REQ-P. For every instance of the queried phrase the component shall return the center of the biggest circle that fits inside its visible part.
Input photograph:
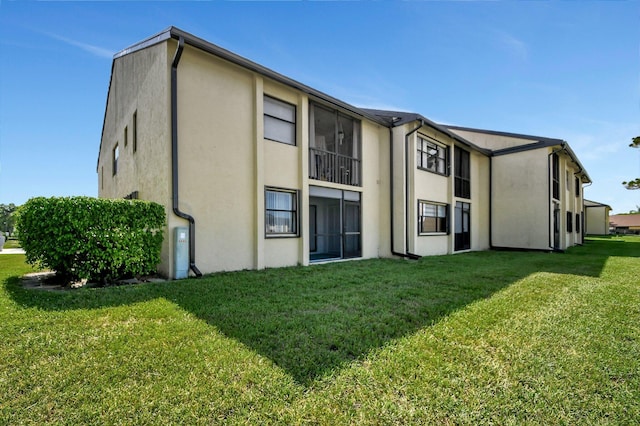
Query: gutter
(174, 159)
(391, 198)
(406, 191)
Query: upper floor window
(281, 212)
(334, 146)
(279, 121)
(432, 217)
(578, 186)
(462, 169)
(432, 157)
(555, 174)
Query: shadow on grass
(312, 320)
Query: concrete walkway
(12, 251)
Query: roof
(589, 203)
(398, 118)
(537, 142)
(625, 220)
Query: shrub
(96, 239)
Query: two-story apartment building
(265, 171)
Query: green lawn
(478, 338)
(11, 244)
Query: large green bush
(97, 239)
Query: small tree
(7, 220)
(635, 183)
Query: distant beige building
(596, 218)
(268, 172)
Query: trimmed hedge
(97, 239)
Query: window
(462, 173)
(281, 212)
(569, 222)
(556, 176)
(102, 177)
(462, 234)
(577, 222)
(134, 131)
(432, 217)
(279, 121)
(432, 157)
(334, 146)
(126, 136)
(568, 180)
(578, 187)
(116, 154)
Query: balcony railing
(332, 167)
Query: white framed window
(432, 217)
(281, 212)
(279, 121)
(432, 157)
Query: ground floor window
(462, 226)
(432, 217)
(334, 224)
(281, 212)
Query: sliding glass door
(334, 224)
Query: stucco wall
(479, 201)
(217, 159)
(139, 84)
(520, 188)
(597, 220)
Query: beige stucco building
(268, 172)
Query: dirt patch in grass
(50, 281)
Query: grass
(11, 244)
(478, 338)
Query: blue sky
(568, 70)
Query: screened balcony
(334, 147)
